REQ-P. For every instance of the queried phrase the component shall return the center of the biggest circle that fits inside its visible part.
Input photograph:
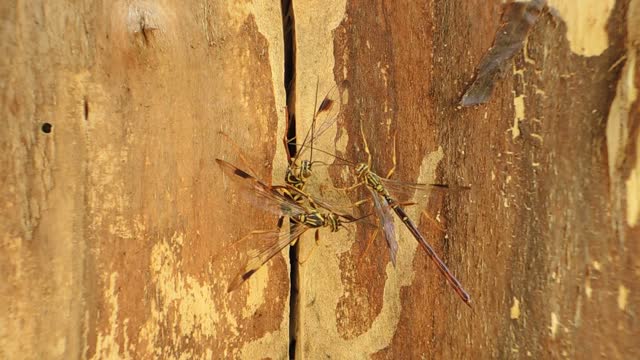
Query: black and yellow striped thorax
(297, 178)
(315, 219)
(372, 180)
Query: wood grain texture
(110, 222)
(542, 241)
(116, 224)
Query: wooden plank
(542, 241)
(111, 220)
(112, 210)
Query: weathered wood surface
(547, 238)
(110, 222)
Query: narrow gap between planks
(288, 31)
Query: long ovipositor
(374, 182)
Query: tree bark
(118, 228)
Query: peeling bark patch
(623, 297)
(517, 21)
(257, 285)
(269, 346)
(596, 265)
(107, 343)
(588, 290)
(633, 189)
(17, 260)
(619, 136)
(586, 21)
(617, 122)
(341, 145)
(554, 325)
(182, 308)
(182, 293)
(323, 337)
(515, 309)
(519, 115)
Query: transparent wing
(345, 212)
(386, 222)
(264, 245)
(324, 117)
(404, 191)
(259, 194)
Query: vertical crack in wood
(288, 28)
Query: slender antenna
(313, 123)
(328, 153)
(357, 219)
(313, 120)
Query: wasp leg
(366, 249)
(393, 158)
(349, 188)
(433, 221)
(315, 246)
(366, 146)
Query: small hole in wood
(46, 128)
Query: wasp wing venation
(256, 258)
(386, 222)
(324, 117)
(259, 194)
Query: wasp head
(362, 169)
(305, 169)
